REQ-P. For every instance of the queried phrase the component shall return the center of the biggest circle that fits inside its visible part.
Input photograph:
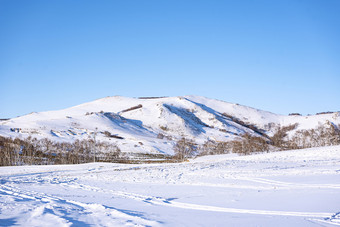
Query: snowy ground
(291, 188)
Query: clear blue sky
(280, 56)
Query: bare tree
(279, 139)
(212, 147)
(184, 148)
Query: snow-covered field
(290, 188)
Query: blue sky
(280, 56)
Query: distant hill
(153, 125)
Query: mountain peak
(141, 121)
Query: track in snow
(92, 208)
(55, 207)
(204, 192)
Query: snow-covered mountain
(153, 125)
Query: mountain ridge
(154, 124)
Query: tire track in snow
(99, 214)
(334, 220)
(170, 203)
(243, 211)
(289, 184)
(32, 214)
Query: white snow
(289, 188)
(193, 117)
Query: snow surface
(289, 188)
(193, 117)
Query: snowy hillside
(289, 188)
(153, 125)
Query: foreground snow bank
(290, 188)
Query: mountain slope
(153, 125)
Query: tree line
(33, 151)
(323, 135)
